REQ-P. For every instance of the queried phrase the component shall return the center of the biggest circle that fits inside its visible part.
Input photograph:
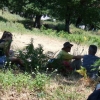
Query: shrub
(97, 63)
(40, 79)
(33, 57)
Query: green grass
(9, 22)
(42, 85)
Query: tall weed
(33, 57)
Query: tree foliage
(38, 8)
(72, 11)
(88, 11)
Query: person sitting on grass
(5, 43)
(67, 58)
(89, 60)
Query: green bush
(40, 79)
(33, 57)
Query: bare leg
(15, 60)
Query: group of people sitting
(87, 61)
(75, 62)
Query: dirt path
(48, 43)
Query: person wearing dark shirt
(5, 43)
(89, 60)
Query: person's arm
(7, 47)
(77, 57)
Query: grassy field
(24, 86)
(15, 85)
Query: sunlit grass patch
(43, 86)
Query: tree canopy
(77, 11)
(72, 11)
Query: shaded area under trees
(71, 11)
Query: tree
(16, 6)
(39, 8)
(30, 7)
(3, 3)
(76, 11)
(65, 10)
(89, 13)
(72, 11)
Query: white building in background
(82, 26)
(45, 17)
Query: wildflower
(42, 80)
(47, 68)
(37, 67)
(29, 60)
(9, 63)
(56, 70)
(6, 62)
(33, 73)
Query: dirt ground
(48, 43)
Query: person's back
(89, 60)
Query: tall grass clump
(44, 85)
(17, 80)
(10, 79)
(33, 57)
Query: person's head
(92, 49)
(6, 34)
(67, 46)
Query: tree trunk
(2, 11)
(92, 27)
(79, 19)
(67, 24)
(67, 19)
(37, 23)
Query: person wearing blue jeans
(5, 43)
